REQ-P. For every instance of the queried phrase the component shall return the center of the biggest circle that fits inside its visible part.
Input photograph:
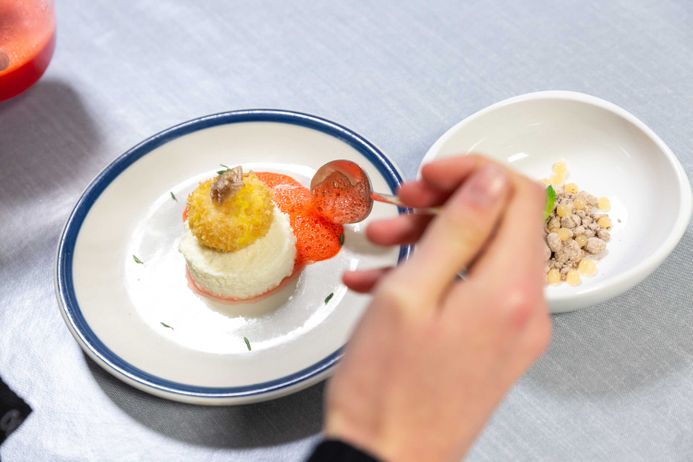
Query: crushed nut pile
(577, 231)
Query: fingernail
(485, 186)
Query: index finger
(455, 236)
(516, 250)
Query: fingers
(508, 276)
(517, 248)
(448, 173)
(419, 193)
(363, 281)
(404, 229)
(455, 237)
(439, 179)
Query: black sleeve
(13, 411)
(338, 451)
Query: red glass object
(27, 41)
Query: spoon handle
(394, 200)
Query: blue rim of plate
(64, 283)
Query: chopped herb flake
(137, 260)
(550, 201)
(165, 325)
(226, 169)
(329, 297)
(247, 343)
(341, 239)
(173, 196)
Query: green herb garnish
(137, 260)
(550, 201)
(247, 343)
(329, 297)
(226, 169)
(165, 325)
(173, 196)
(341, 239)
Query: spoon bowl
(342, 191)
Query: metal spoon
(343, 193)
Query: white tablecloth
(617, 382)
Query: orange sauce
(317, 238)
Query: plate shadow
(269, 423)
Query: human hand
(434, 355)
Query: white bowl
(609, 153)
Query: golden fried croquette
(237, 222)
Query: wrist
(333, 450)
(341, 428)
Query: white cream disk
(247, 272)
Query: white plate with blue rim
(121, 282)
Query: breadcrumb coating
(237, 222)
